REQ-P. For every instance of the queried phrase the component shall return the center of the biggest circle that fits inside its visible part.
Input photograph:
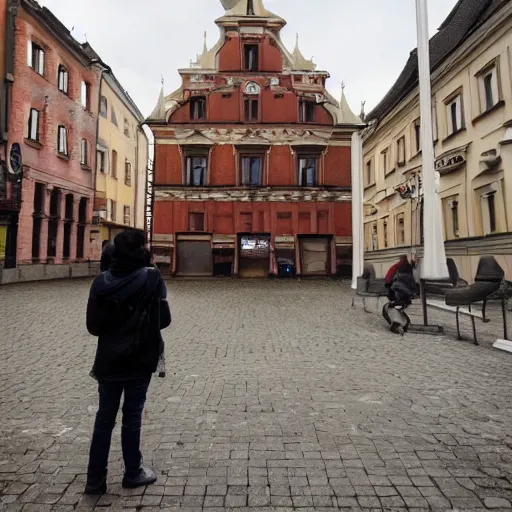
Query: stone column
(74, 229)
(60, 228)
(25, 223)
(43, 243)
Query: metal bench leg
(459, 337)
(473, 323)
(505, 325)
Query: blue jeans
(110, 398)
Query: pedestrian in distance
(127, 309)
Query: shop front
(315, 254)
(254, 255)
(223, 255)
(194, 256)
(285, 251)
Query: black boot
(145, 477)
(96, 488)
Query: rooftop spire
(345, 114)
(205, 46)
(159, 111)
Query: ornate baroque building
(252, 159)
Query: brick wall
(41, 161)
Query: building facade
(252, 159)
(121, 165)
(472, 113)
(52, 134)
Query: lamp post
(357, 209)
(434, 257)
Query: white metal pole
(357, 209)
(434, 259)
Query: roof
(247, 9)
(463, 20)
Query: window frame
(401, 162)
(35, 52)
(126, 127)
(251, 103)
(491, 69)
(416, 128)
(84, 152)
(303, 111)
(104, 103)
(30, 125)
(400, 217)
(300, 170)
(113, 167)
(62, 140)
(195, 108)
(101, 159)
(369, 173)
(248, 155)
(246, 57)
(127, 173)
(189, 177)
(63, 72)
(192, 222)
(455, 99)
(385, 231)
(85, 95)
(127, 213)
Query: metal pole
(434, 258)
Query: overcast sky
(364, 43)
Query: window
(84, 152)
(104, 107)
(306, 111)
(385, 232)
(374, 237)
(434, 123)
(400, 148)
(36, 58)
(491, 204)
(33, 125)
(488, 85)
(126, 215)
(101, 161)
(307, 171)
(454, 115)
(417, 134)
(84, 95)
(39, 193)
(369, 177)
(113, 117)
(80, 234)
(196, 221)
(251, 53)
(128, 173)
(197, 108)
(400, 229)
(62, 140)
(385, 161)
(126, 127)
(114, 164)
(111, 210)
(250, 8)
(453, 216)
(251, 109)
(252, 170)
(63, 79)
(196, 171)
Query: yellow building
(121, 164)
(472, 111)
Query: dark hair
(129, 252)
(105, 242)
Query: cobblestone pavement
(281, 396)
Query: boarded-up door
(194, 258)
(315, 256)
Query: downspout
(104, 69)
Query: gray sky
(364, 43)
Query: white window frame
(33, 125)
(62, 140)
(63, 79)
(127, 215)
(457, 124)
(491, 70)
(401, 156)
(84, 152)
(84, 94)
(36, 57)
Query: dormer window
(251, 54)
(197, 109)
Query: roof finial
(342, 87)
(162, 80)
(297, 40)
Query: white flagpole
(434, 259)
(357, 209)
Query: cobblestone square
(279, 396)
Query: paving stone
(497, 503)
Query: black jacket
(108, 318)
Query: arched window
(252, 88)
